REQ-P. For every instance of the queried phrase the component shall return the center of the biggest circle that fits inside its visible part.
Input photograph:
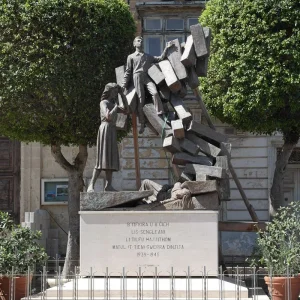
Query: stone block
(204, 146)
(122, 121)
(183, 91)
(199, 40)
(202, 66)
(156, 74)
(171, 144)
(170, 77)
(201, 177)
(52, 247)
(202, 62)
(164, 91)
(224, 183)
(178, 129)
(184, 158)
(201, 187)
(174, 56)
(119, 71)
(211, 171)
(209, 201)
(207, 133)
(156, 121)
(188, 146)
(225, 148)
(186, 177)
(192, 79)
(131, 97)
(99, 201)
(188, 57)
(180, 109)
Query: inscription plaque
(162, 239)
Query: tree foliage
(55, 58)
(253, 81)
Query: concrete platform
(146, 288)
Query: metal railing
(49, 283)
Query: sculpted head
(110, 91)
(138, 42)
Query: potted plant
(279, 251)
(19, 254)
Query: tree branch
(81, 158)
(59, 158)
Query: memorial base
(149, 242)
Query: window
(191, 21)
(157, 31)
(153, 45)
(152, 24)
(174, 24)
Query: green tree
(253, 81)
(55, 58)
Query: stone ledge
(99, 201)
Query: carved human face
(138, 42)
(113, 93)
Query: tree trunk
(75, 175)
(276, 194)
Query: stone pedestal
(143, 240)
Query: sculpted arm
(108, 113)
(128, 72)
(165, 52)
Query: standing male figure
(137, 67)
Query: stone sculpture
(137, 67)
(107, 147)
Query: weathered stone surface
(204, 146)
(188, 57)
(184, 158)
(207, 34)
(156, 74)
(201, 177)
(224, 183)
(186, 177)
(225, 148)
(99, 201)
(119, 71)
(192, 80)
(164, 91)
(206, 132)
(202, 66)
(202, 62)
(174, 56)
(188, 146)
(178, 129)
(170, 77)
(131, 97)
(183, 91)
(206, 201)
(158, 123)
(181, 111)
(211, 171)
(200, 187)
(171, 144)
(121, 122)
(199, 40)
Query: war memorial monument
(158, 227)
